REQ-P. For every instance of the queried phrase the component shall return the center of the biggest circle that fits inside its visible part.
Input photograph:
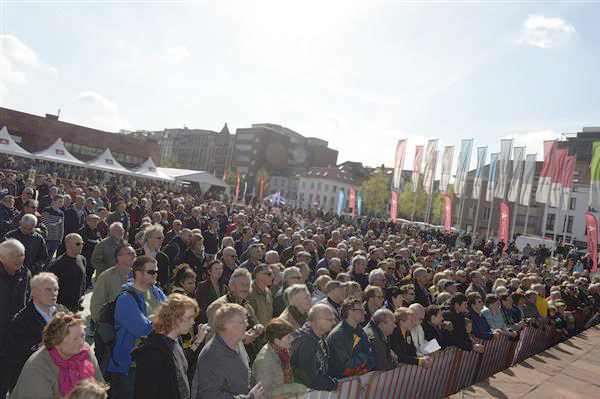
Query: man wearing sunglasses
(70, 270)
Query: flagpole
(428, 218)
(490, 219)
(527, 218)
(555, 224)
(415, 195)
(462, 210)
(476, 219)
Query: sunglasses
(151, 272)
(79, 244)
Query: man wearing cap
(335, 297)
(91, 236)
(448, 286)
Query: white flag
(489, 192)
(429, 172)
(446, 167)
(517, 173)
(528, 175)
(417, 167)
(462, 169)
(503, 158)
(481, 153)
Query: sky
(360, 75)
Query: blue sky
(360, 75)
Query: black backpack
(105, 333)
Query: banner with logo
(517, 173)
(429, 171)
(591, 228)
(359, 204)
(545, 179)
(595, 176)
(504, 226)
(341, 199)
(447, 213)
(394, 206)
(417, 167)
(528, 175)
(489, 193)
(557, 177)
(262, 187)
(568, 180)
(399, 163)
(502, 168)
(352, 197)
(237, 188)
(462, 169)
(477, 182)
(446, 167)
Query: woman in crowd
(211, 288)
(299, 304)
(401, 340)
(60, 364)
(272, 366)
(184, 280)
(433, 326)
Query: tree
(437, 216)
(231, 180)
(375, 192)
(171, 162)
(406, 201)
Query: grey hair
(374, 274)
(29, 220)
(382, 315)
(9, 246)
(294, 292)
(287, 273)
(351, 287)
(149, 232)
(239, 273)
(41, 277)
(112, 225)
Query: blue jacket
(481, 328)
(131, 323)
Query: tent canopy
(149, 169)
(9, 146)
(204, 179)
(58, 153)
(107, 162)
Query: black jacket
(205, 295)
(381, 350)
(14, 295)
(422, 296)
(439, 334)
(73, 220)
(71, 279)
(345, 353)
(310, 356)
(36, 252)
(155, 375)
(90, 239)
(458, 337)
(403, 347)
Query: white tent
(149, 169)
(58, 153)
(9, 146)
(107, 162)
(204, 179)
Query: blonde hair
(89, 389)
(58, 328)
(225, 314)
(171, 311)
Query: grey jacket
(103, 256)
(267, 369)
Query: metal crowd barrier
(452, 369)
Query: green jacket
(107, 287)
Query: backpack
(105, 333)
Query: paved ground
(570, 370)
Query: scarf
(72, 370)
(286, 364)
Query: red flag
(447, 213)
(504, 225)
(352, 195)
(394, 206)
(225, 175)
(215, 172)
(545, 180)
(591, 228)
(237, 188)
(262, 187)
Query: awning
(107, 162)
(58, 153)
(9, 146)
(204, 179)
(149, 169)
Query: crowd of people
(209, 299)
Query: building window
(550, 221)
(570, 224)
(332, 201)
(334, 189)
(303, 184)
(486, 213)
(243, 158)
(243, 147)
(325, 199)
(327, 187)
(312, 186)
(572, 203)
(245, 136)
(319, 187)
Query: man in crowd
(103, 255)
(91, 237)
(335, 297)
(119, 215)
(456, 315)
(260, 297)
(70, 270)
(36, 253)
(378, 330)
(54, 220)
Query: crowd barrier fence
(452, 369)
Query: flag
(517, 173)
(568, 180)
(359, 204)
(462, 169)
(394, 206)
(557, 177)
(245, 187)
(237, 188)
(429, 171)
(341, 198)
(352, 197)
(528, 175)
(591, 228)
(504, 225)
(502, 168)
(489, 193)
(417, 167)
(262, 187)
(253, 191)
(224, 174)
(399, 163)
(446, 167)
(595, 176)
(481, 153)
(447, 213)
(545, 179)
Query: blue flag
(341, 198)
(359, 204)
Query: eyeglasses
(129, 253)
(79, 244)
(151, 272)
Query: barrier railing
(452, 369)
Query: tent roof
(192, 175)
(9, 146)
(58, 153)
(150, 170)
(106, 161)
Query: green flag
(595, 176)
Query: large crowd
(210, 299)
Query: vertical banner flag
(417, 167)
(528, 175)
(489, 193)
(595, 176)
(591, 228)
(225, 175)
(429, 171)
(237, 188)
(545, 179)
(568, 180)
(502, 168)
(446, 167)
(462, 169)
(341, 199)
(399, 163)
(481, 153)
(447, 213)
(557, 177)
(245, 188)
(253, 191)
(504, 225)
(517, 173)
(262, 188)
(394, 206)
(359, 204)
(278, 198)
(352, 197)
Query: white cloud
(53, 71)
(179, 52)
(95, 98)
(17, 50)
(534, 141)
(110, 123)
(9, 73)
(543, 32)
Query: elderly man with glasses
(70, 270)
